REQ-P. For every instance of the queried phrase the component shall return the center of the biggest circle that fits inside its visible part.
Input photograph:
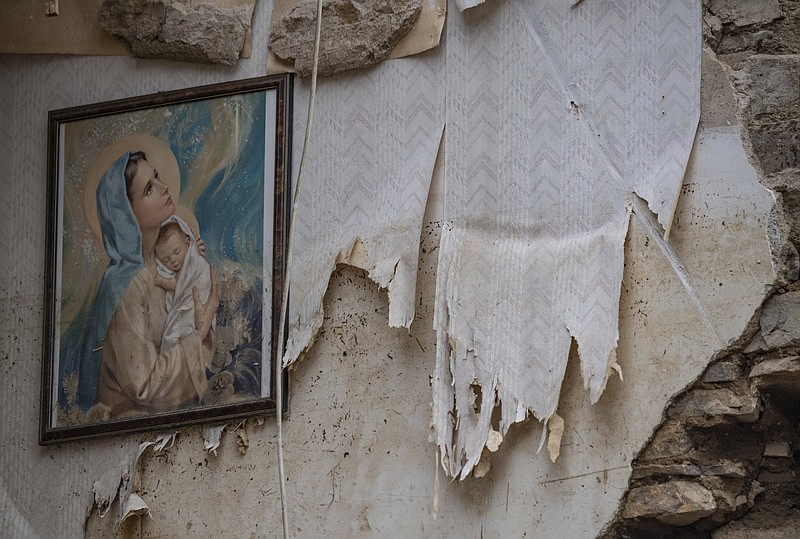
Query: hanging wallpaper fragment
(547, 141)
(375, 137)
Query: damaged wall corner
(212, 31)
(732, 433)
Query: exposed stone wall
(725, 461)
(357, 34)
(179, 29)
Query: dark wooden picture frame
(157, 205)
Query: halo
(158, 154)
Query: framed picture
(167, 219)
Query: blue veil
(82, 343)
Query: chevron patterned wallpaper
(375, 137)
(555, 114)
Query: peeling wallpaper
(555, 115)
(374, 143)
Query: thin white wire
(287, 280)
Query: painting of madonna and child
(165, 255)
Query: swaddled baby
(180, 269)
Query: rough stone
(784, 181)
(712, 30)
(741, 530)
(787, 184)
(179, 29)
(730, 43)
(723, 371)
(677, 503)
(776, 465)
(731, 469)
(777, 449)
(725, 493)
(716, 405)
(777, 145)
(775, 82)
(670, 441)
(773, 516)
(688, 470)
(781, 374)
(746, 12)
(766, 477)
(780, 325)
(356, 33)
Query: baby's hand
(166, 284)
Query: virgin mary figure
(114, 346)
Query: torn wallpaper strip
(130, 503)
(544, 143)
(211, 437)
(123, 482)
(466, 4)
(365, 185)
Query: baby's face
(172, 251)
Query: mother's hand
(201, 245)
(204, 313)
